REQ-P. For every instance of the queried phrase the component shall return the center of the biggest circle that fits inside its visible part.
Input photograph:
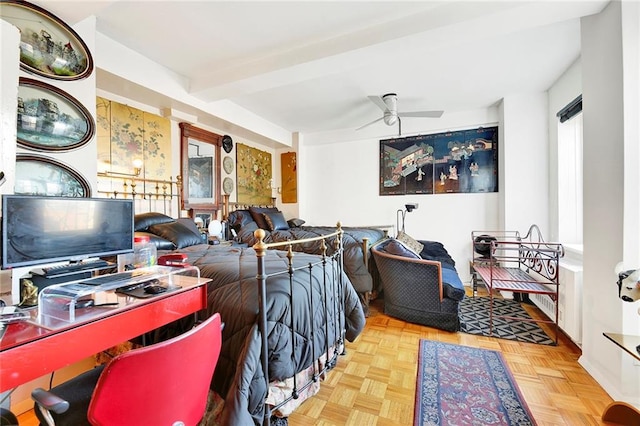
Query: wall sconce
(2, 179)
(408, 208)
(137, 168)
(273, 187)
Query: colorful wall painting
(253, 175)
(462, 161)
(289, 175)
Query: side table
(619, 412)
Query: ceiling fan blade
(432, 114)
(369, 124)
(380, 102)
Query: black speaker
(482, 245)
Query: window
(570, 176)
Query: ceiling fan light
(390, 119)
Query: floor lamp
(408, 208)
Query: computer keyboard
(70, 268)
(111, 281)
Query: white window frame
(570, 178)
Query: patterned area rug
(474, 319)
(459, 385)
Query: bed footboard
(334, 315)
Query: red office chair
(162, 384)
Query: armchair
(418, 289)
(164, 383)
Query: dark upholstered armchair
(417, 288)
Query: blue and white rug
(474, 319)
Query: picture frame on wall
(462, 161)
(201, 177)
(40, 175)
(253, 170)
(50, 119)
(288, 172)
(48, 46)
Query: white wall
(606, 232)
(525, 153)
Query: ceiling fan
(389, 105)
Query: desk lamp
(408, 208)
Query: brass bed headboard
(149, 195)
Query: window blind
(574, 107)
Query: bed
(357, 241)
(305, 302)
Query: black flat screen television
(38, 230)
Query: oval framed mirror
(48, 46)
(40, 175)
(201, 164)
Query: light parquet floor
(374, 383)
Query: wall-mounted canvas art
(201, 177)
(462, 161)
(253, 175)
(288, 172)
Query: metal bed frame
(333, 275)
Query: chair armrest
(49, 401)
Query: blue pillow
(396, 248)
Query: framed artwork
(253, 175)
(201, 168)
(201, 177)
(48, 47)
(463, 161)
(50, 119)
(37, 175)
(288, 171)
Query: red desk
(29, 351)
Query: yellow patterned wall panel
(253, 175)
(288, 171)
(125, 134)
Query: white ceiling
(308, 66)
